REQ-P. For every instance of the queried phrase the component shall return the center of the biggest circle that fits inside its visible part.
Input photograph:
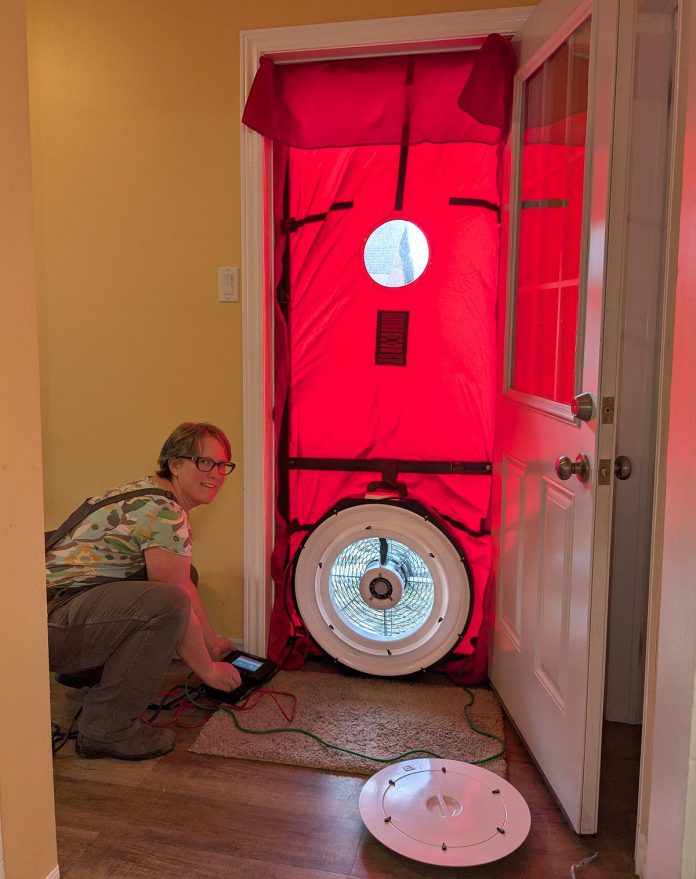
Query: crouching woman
(121, 599)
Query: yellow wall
(26, 789)
(135, 127)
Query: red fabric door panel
(438, 407)
(359, 143)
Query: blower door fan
(382, 589)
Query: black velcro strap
(377, 465)
(292, 225)
(482, 530)
(403, 163)
(476, 203)
(405, 137)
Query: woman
(121, 598)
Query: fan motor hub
(382, 586)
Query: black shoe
(147, 742)
(79, 679)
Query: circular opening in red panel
(396, 253)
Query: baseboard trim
(639, 854)
(55, 873)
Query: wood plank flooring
(193, 816)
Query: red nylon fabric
(439, 407)
(336, 401)
(453, 97)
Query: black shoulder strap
(51, 538)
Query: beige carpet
(381, 717)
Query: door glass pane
(550, 222)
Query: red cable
(247, 704)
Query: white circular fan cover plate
(382, 589)
(444, 812)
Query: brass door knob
(623, 467)
(580, 467)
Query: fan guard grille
(385, 623)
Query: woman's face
(194, 487)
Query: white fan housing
(382, 589)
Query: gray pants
(132, 629)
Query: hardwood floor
(193, 816)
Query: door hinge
(607, 410)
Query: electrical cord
(257, 695)
(343, 750)
(180, 704)
(59, 738)
(181, 699)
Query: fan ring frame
(407, 523)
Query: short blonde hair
(186, 440)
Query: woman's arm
(200, 646)
(168, 567)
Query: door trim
(321, 41)
(666, 843)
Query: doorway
(378, 37)
(387, 235)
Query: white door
(554, 532)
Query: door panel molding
(552, 408)
(513, 517)
(553, 591)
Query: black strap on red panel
(292, 225)
(476, 203)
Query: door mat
(379, 717)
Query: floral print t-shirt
(111, 541)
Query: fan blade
(383, 551)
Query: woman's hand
(222, 676)
(221, 648)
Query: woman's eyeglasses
(205, 465)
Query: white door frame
(666, 840)
(649, 117)
(379, 36)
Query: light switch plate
(228, 284)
